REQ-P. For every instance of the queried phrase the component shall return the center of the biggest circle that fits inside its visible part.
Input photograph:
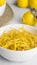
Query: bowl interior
(17, 26)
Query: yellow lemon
(33, 4)
(28, 18)
(36, 21)
(22, 3)
(2, 2)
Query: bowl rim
(33, 27)
(10, 25)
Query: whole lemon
(33, 4)
(2, 2)
(28, 18)
(22, 3)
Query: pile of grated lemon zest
(18, 40)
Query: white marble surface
(18, 13)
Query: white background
(18, 13)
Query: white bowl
(18, 55)
(2, 9)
